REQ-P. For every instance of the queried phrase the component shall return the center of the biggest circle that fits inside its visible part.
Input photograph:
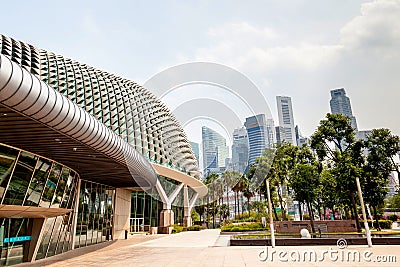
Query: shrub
(194, 228)
(177, 229)
(243, 227)
(393, 217)
(385, 224)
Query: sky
(297, 48)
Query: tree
(334, 141)
(381, 147)
(212, 183)
(224, 211)
(284, 161)
(305, 179)
(394, 202)
(248, 193)
(231, 178)
(241, 186)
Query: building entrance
(15, 239)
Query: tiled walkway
(206, 248)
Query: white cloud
(363, 59)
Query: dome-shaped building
(85, 155)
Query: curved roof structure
(93, 111)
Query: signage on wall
(17, 239)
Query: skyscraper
(260, 132)
(195, 148)
(215, 150)
(286, 119)
(240, 150)
(340, 104)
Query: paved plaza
(208, 248)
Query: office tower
(286, 120)
(195, 148)
(260, 132)
(240, 150)
(300, 140)
(340, 104)
(215, 150)
(363, 135)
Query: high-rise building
(286, 119)
(260, 132)
(215, 150)
(195, 149)
(240, 150)
(300, 140)
(340, 104)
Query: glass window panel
(68, 187)
(20, 179)
(74, 188)
(62, 182)
(51, 185)
(37, 185)
(41, 254)
(7, 160)
(54, 236)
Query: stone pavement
(207, 248)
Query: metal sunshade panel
(21, 132)
(39, 119)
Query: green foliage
(393, 217)
(394, 202)
(177, 229)
(195, 216)
(243, 227)
(194, 228)
(382, 146)
(385, 224)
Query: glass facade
(95, 214)
(27, 179)
(147, 206)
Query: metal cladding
(124, 107)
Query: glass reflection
(94, 223)
(38, 182)
(7, 159)
(20, 180)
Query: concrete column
(122, 213)
(75, 214)
(166, 220)
(187, 211)
(37, 234)
(188, 206)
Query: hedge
(385, 224)
(243, 227)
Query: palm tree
(231, 178)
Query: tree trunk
(227, 197)
(311, 216)
(378, 226)
(275, 213)
(300, 213)
(281, 203)
(234, 196)
(354, 207)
